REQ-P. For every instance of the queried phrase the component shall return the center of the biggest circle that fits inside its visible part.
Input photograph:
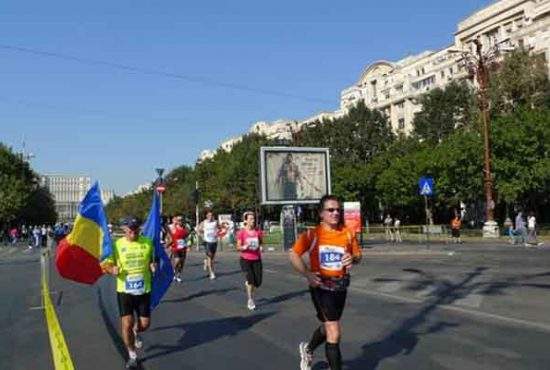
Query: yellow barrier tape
(61, 357)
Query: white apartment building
(67, 192)
(394, 87)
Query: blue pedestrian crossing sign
(426, 186)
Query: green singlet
(133, 259)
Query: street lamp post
(490, 228)
(478, 64)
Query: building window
(451, 70)
(401, 124)
(425, 83)
(442, 74)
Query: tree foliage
(443, 111)
(21, 198)
(370, 164)
(354, 138)
(521, 81)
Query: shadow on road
(196, 333)
(198, 295)
(281, 298)
(404, 338)
(218, 274)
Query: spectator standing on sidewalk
(388, 223)
(508, 226)
(520, 231)
(456, 224)
(36, 236)
(13, 235)
(532, 228)
(43, 236)
(396, 229)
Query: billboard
(352, 216)
(294, 175)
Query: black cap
(131, 222)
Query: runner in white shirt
(209, 229)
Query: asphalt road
(466, 307)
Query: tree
(354, 138)
(521, 147)
(16, 184)
(39, 209)
(521, 81)
(178, 197)
(443, 111)
(231, 179)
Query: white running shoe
(178, 279)
(132, 363)
(306, 358)
(212, 276)
(138, 343)
(251, 305)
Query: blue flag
(164, 274)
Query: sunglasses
(331, 210)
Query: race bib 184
(135, 284)
(330, 257)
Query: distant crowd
(34, 236)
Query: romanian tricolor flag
(80, 253)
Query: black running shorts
(328, 304)
(252, 271)
(128, 304)
(210, 249)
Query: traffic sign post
(426, 188)
(160, 187)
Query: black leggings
(252, 271)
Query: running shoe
(251, 305)
(138, 343)
(212, 276)
(178, 279)
(305, 356)
(132, 363)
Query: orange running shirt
(456, 223)
(327, 249)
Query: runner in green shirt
(133, 264)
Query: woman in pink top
(249, 243)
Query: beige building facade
(394, 87)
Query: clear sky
(113, 89)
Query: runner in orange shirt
(332, 249)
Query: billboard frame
(264, 150)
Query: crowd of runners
(331, 250)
